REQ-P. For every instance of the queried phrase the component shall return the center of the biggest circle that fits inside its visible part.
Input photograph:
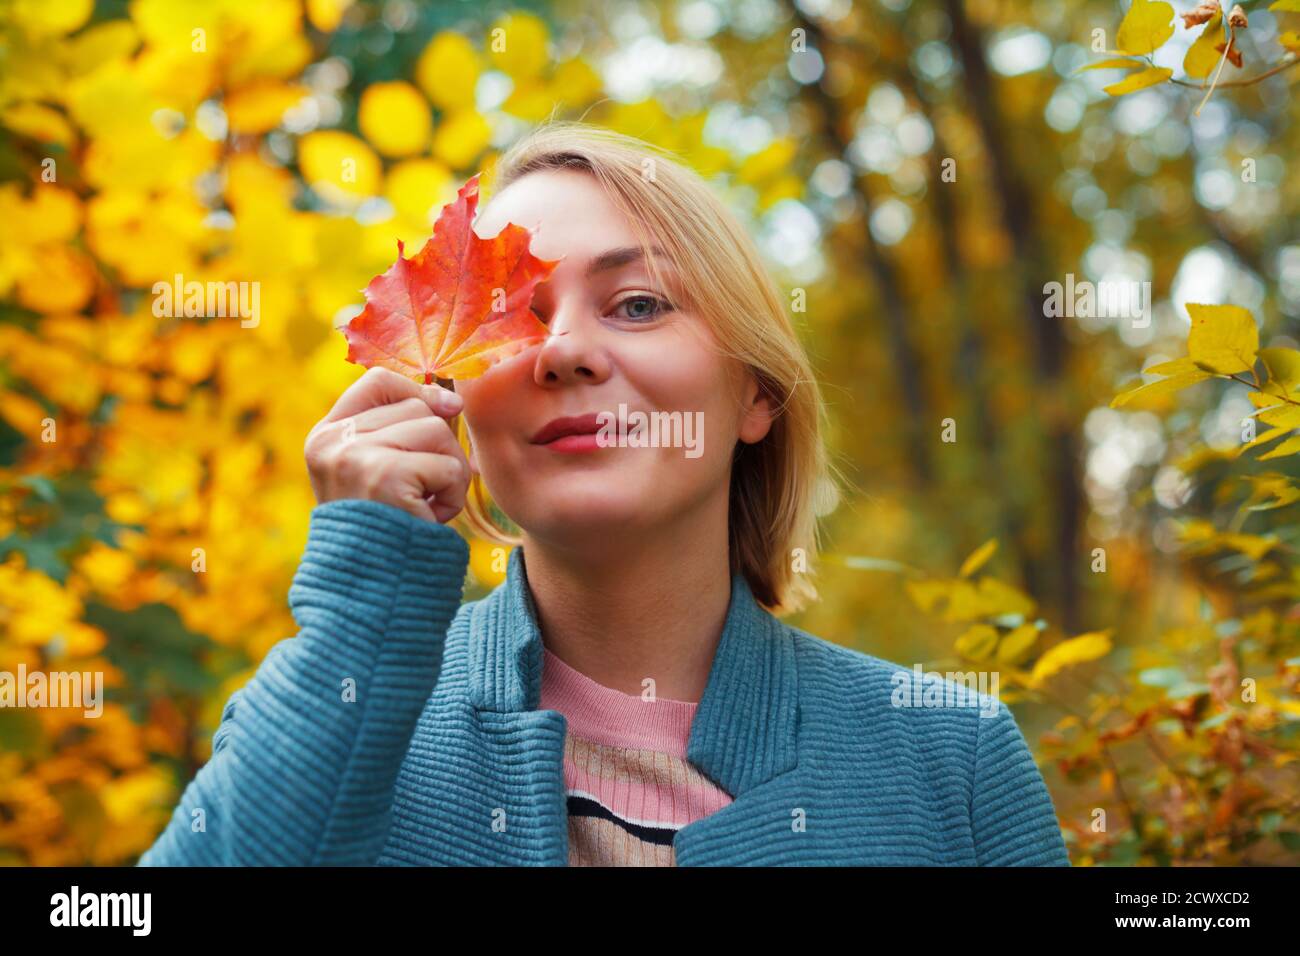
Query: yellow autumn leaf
(1139, 81)
(1291, 40)
(448, 71)
(1283, 366)
(1285, 449)
(788, 186)
(1202, 57)
(926, 595)
(1281, 416)
(517, 44)
(1018, 645)
(978, 558)
(93, 47)
(1076, 650)
(1114, 63)
(531, 100)
(1146, 27)
(62, 280)
(964, 603)
(487, 562)
(51, 215)
(461, 138)
(1262, 439)
(999, 597)
(50, 17)
(25, 415)
(574, 83)
(1140, 393)
(38, 122)
(1270, 491)
(325, 15)
(418, 188)
(773, 158)
(258, 107)
(1253, 546)
(1182, 366)
(338, 164)
(977, 642)
(395, 118)
(1223, 338)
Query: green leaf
(158, 655)
(20, 732)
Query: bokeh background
(915, 172)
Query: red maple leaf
(457, 307)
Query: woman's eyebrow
(615, 258)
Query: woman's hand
(387, 439)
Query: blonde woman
(627, 695)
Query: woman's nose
(569, 354)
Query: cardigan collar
(744, 731)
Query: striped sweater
(627, 783)
(443, 754)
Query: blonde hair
(777, 482)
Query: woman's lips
(574, 444)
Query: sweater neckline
(603, 715)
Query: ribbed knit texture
(628, 785)
(403, 726)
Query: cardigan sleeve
(1012, 816)
(307, 753)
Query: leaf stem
(1249, 81)
(1232, 38)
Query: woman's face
(616, 339)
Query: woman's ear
(757, 412)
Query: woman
(627, 695)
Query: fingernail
(441, 397)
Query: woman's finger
(427, 433)
(379, 386)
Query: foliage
(1215, 703)
(906, 174)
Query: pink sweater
(628, 784)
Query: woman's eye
(642, 307)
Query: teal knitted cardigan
(441, 755)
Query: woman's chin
(589, 514)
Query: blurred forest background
(916, 173)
